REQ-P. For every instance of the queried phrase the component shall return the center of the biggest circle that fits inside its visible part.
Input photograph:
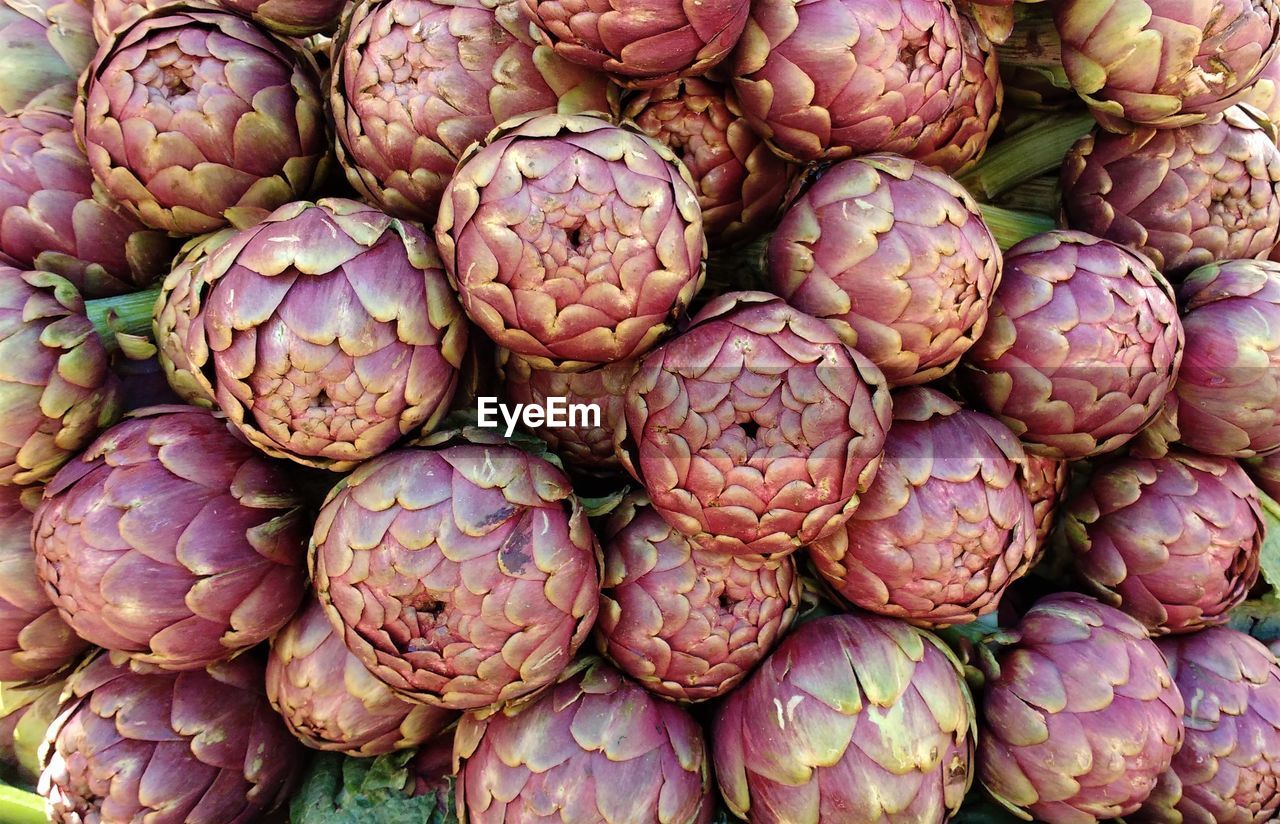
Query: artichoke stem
(122, 315)
(1043, 195)
(19, 807)
(1010, 226)
(1035, 43)
(1030, 153)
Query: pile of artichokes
(639, 411)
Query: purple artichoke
(462, 577)
(148, 745)
(1164, 63)
(1226, 771)
(835, 78)
(594, 749)
(945, 525)
(1082, 346)
(1228, 390)
(171, 540)
(253, 325)
(741, 184)
(44, 46)
(194, 118)
(58, 390)
(331, 702)
(896, 253)
(54, 217)
(686, 623)
(35, 642)
(640, 45)
(1172, 541)
(572, 242)
(860, 720)
(1183, 197)
(1083, 717)
(1045, 482)
(416, 82)
(756, 430)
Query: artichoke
(416, 82)
(1163, 62)
(58, 390)
(1082, 346)
(584, 448)
(255, 325)
(741, 184)
(56, 218)
(35, 642)
(171, 540)
(331, 702)
(462, 577)
(835, 78)
(194, 118)
(44, 46)
(1045, 482)
(149, 745)
(946, 524)
(594, 749)
(1226, 770)
(572, 242)
(686, 623)
(897, 254)
(1229, 391)
(1083, 717)
(853, 719)
(1183, 197)
(756, 430)
(296, 18)
(640, 45)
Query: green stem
(1042, 195)
(124, 314)
(1035, 43)
(1011, 227)
(19, 807)
(1030, 153)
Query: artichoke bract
(194, 118)
(44, 46)
(149, 745)
(1183, 197)
(757, 429)
(1084, 716)
(741, 184)
(1264, 94)
(56, 218)
(1228, 391)
(897, 254)
(416, 82)
(686, 623)
(1163, 62)
(35, 642)
(1226, 770)
(57, 389)
(853, 719)
(1045, 482)
(330, 701)
(1081, 348)
(326, 333)
(110, 15)
(945, 526)
(462, 577)
(1173, 541)
(25, 716)
(640, 44)
(572, 242)
(296, 18)
(836, 78)
(585, 448)
(171, 540)
(594, 749)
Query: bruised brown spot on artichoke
(515, 554)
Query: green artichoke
(463, 577)
(44, 47)
(326, 333)
(894, 253)
(1083, 717)
(593, 749)
(572, 242)
(858, 720)
(194, 118)
(416, 82)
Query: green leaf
(1259, 618)
(599, 506)
(1271, 545)
(341, 790)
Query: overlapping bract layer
(44, 46)
(1045, 482)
